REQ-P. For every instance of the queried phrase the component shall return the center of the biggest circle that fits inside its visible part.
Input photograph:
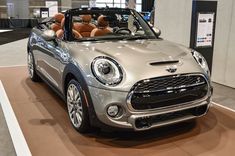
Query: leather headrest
(102, 22)
(86, 18)
(58, 17)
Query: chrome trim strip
(192, 103)
(171, 88)
(133, 118)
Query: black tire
(31, 68)
(84, 125)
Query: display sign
(44, 13)
(53, 7)
(205, 25)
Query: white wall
(20, 8)
(66, 4)
(174, 19)
(224, 52)
(79, 3)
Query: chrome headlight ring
(201, 61)
(107, 71)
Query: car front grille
(168, 91)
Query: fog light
(113, 111)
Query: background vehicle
(146, 15)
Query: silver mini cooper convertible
(113, 70)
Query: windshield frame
(68, 36)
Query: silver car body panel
(134, 57)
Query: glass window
(123, 5)
(100, 5)
(104, 1)
(117, 3)
(138, 1)
(138, 7)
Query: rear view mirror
(49, 35)
(157, 31)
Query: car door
(51, 60)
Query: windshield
(110, 25)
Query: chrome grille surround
(151, 89)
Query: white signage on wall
(84, 6)
(205, 30)
(10, 10)
(53, 7)
(44, 14)
(92, 3)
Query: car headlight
(201, 61)
(107, 71)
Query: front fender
(79, 76)
(76, 72)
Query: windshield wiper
(115, 38)
(138, 37)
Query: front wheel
(77, 109)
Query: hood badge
(171, 69)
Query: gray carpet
(224, 95)
(6, 145)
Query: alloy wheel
(74, 104)
(30, 65)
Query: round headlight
(107, 71)
(201, 61)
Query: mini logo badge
(171, 69)
(198, 80)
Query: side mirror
(49, 35)
(157, 31)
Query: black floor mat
(15, 35)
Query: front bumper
(146, 119)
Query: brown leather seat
(60, 32)
(102, 28)
(57, 25)
(85, 27)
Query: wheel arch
(72, 71)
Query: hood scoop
(164, 62)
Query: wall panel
(230, 66)
(174, 19)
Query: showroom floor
(43, 119)
(6, 145)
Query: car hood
(144, 50)
(136, 57)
